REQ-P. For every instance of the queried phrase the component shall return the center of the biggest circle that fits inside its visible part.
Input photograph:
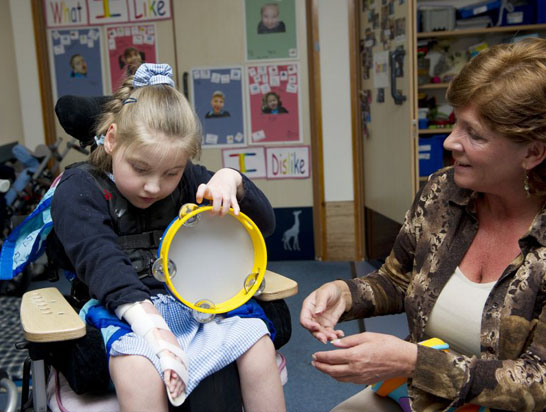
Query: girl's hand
(222, 188)
(367, 358)
(322, 309)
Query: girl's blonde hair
(507, 86)
(157, 118)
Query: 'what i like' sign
(72, 13)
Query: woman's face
(272, 102)
(484, 161)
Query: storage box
(437, 18)
(478, 8)
(541, 11)
(431, 154)
(522, 14)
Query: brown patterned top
(510, 373)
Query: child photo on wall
(76, 62)
(128, 47)
(270, 29)
(217, 96)
(274, 103)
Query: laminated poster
(270, 29)
(75, 58)
(128, 47)
(218, 101)
(274, 103)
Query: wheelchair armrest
(46, 316)
(277, 287)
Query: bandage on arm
(143, 324)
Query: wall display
(218, 100)
(247, 160)
(128, 47)
(285, 162)
(270, 29)
(70, 13)
(274, 103)
(76, 64)
(381, 70)
(293, 237)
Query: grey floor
(307, 389)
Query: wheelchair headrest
(78, 116)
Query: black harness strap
(146, 240)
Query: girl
(133, 185)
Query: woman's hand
(322, 309)
(367, 358)
(222, 188)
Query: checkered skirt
(210, 346)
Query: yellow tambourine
(210, 263)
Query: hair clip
(99, 140)
(129, 100)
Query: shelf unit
(434, 86)
(457, 36)
(478, 31)
(439, 130)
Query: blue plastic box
(523, 14)
(478, 8)
(541, 11)
(431, 154)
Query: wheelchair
(57, 339)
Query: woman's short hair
(506, 84)
(156, 110)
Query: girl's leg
(260, 378)
(138, 385)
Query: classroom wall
(11, 123)
(216, 30)
(336, 100)
(210, 33)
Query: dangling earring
(526, 186)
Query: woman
(469, 263)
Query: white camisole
(457, 314)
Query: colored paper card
(148, 10)
(108, 11)
(274, 104)
(270, 29)
(288, 162)
(65, 13)
(128, 47)
(76, 62)
(247, 160)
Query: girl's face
(270, 17)
(133, 60)
(272, 102)
(484, 161)
(146, 176)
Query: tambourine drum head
(213, 259)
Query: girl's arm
(83, 225)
